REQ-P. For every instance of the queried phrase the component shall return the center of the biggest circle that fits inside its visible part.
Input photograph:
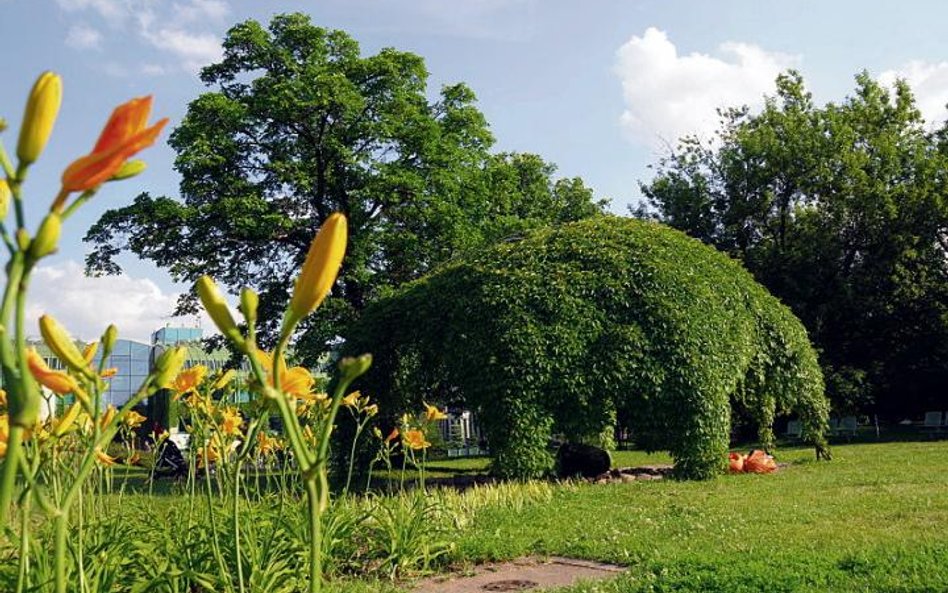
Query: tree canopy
(299, 124)
(571, 328)
(841, 211)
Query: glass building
(133, 361)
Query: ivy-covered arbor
(564, 330)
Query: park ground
(875, 519)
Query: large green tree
(299, 124)
(840, 210)
(572, 328)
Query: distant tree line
(841, 211)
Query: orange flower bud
(56, 381)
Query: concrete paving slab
(525, 574)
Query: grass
(873, 520)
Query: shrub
(568, 328)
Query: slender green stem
(15, 184)
(210, 509)
(61, 523)
(15, 386)
(315, 529)
(237, 559)
(7, 239)
(82, 199)
(352, 454)
(5, 163)
(24, 560)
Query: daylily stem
(315, 529)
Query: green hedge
(563, 331)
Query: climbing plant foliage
(567, 329)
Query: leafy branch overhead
(299, 124)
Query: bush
(568, 328)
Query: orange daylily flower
(3, 398)
(208, 454)
(123, 136)
(267, 444)
(231, 421)
(103, 458)
(415, 439)
(188, 380)
(58, 382)
(392, 435)
(109, 372)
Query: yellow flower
(208, 454)
(415, 439)
(123, 135)
(200, 403)
(103, 458)
(133, 419)
(224, 379)
(319, 270)
(88, 353)
(351, 400)
(371, 410)
(231, 421)
(189, 379)
(432, 413)
(41, 110)
(296, 381)
(4, 433)
(3, 398)
(267, 445)
(106, 419)
(109, 373)
(58, 382)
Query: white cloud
(193, 50)
(113, 11)
(197, 11)
(83, 37)
(668, 95)
(84, 305)
(929, 83)
(181, 30)
(154, 69)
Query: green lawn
(874, 519)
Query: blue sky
(598, 87)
